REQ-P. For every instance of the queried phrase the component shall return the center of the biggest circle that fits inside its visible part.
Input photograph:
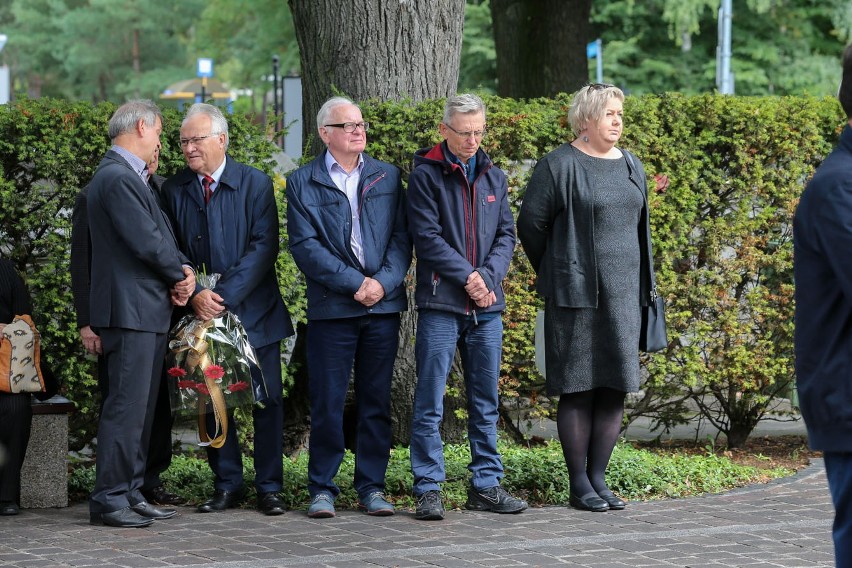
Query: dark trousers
(838, 469)
(227, 463)
(16, 415)
(368, 342)
(160, 445)
(134, 362)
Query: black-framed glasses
(350, 127)
(195, 141)
(478, 134)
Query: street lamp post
(275, 106)
(4, 74)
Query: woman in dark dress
(15, 410)
(585, 228)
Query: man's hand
(185, 287)
(487, 301)
(477, 290)
(91, 340)
(208, 304)
(370, 292)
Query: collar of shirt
(334, 167)
(138, 164)
(469, 169)
(217, 175)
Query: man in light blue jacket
(348, 235)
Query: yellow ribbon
(196, 346)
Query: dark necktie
(208, 193)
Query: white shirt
(348, 184)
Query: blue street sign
(592, 49)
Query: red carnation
(238, 386)
(202, 388)
(214, 372)
(176, 372)
(186, 384)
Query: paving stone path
(784, 523)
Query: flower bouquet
(209, 367)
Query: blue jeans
(438, 335)
(838, 470)
(333, 346)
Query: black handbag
(652, 336)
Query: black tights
(589, 423)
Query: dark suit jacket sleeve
(255, 264)
(81, 256)
(134, 224)
(538, 209)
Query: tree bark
(541, 46)
(375, 49)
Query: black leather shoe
(270, 503)
(222, 500)
(123, 518)
(589, 502)
(159, 496)
(8, 508)
(612, 500)
(148, 510)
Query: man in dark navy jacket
(822, 263)
(346, 222)
(226, 219)
(464, 236)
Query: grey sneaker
(430, 507)
(376, 505)
(494, 499)
(322, 506)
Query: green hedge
(722, 230)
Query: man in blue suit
(822, 266)
(135, 268)
(225, 215)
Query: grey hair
(589, 105)
(462, 104)
(325, 109)
(125, 117)
(218, 122)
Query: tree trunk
(375, 49)
(541, 46)
(297, 408)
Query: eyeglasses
(599, 86)
(184, 142)
(478, 134)
(350, 127)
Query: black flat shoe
(612, 500)
(123, 518)
(159, 496)
(589, 502)
(221, 500)
(9, 508)
(270, 504)
(148, 510)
